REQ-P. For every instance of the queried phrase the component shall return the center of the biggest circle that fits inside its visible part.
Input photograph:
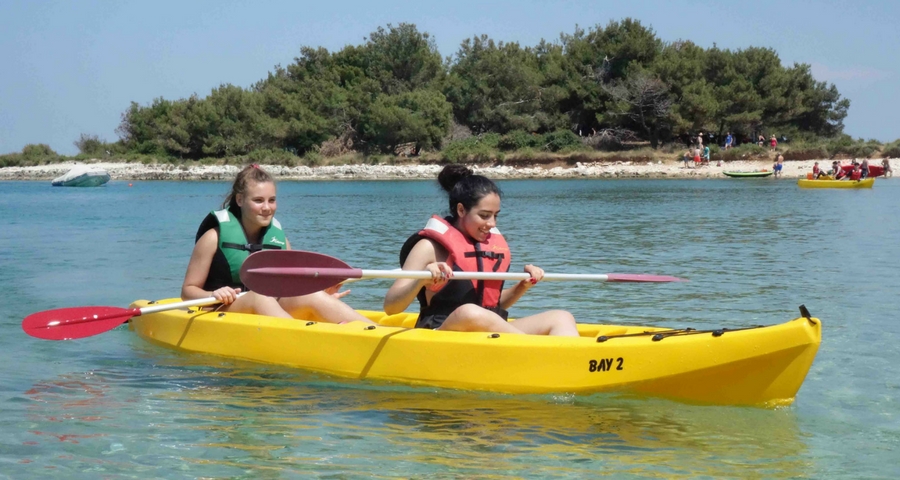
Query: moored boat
(82, 176)
(806, 183)
(761, 366)
(748, 174)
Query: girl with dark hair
(468, 240)
(246, 224)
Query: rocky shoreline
(609, 170)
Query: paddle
(80, 322)
(289, 273)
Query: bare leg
(553, 322)
(473, 318)
(253, 302)
(321, 307)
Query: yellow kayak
(760, 366)
(806, 183)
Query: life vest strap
(491, 255)
(249, 247)
(479, 254)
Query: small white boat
(82, 176)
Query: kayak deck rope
(679, 332)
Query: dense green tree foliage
(395, 89)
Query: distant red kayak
(874, 170)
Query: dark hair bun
(452, 174)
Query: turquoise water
(114, 406)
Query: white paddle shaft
(425, 275)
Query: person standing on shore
(864, 166)
(773, 142)
(468, 240)
(886, 164)
(729, 141)
(706, 155)
(779, 165)
(246, 224)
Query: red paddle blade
(641, 277)
(78, 322)
(268, 272)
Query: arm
(511, 295)
(423, 256)
(198, 271)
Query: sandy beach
(139, 171)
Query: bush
(275, 157)
(519, 139)
(311, 158)
(808, 153)
(845, 145)
(40, 150)
(892, 149)
(473, 149)
(747, 150)
(11, 160)
(561, 139)
(90, 145)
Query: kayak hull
(747, 174)
(760, 366)
(805, 183)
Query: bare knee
(262, 305)
(563, 324)
(563, 317)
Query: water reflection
(207, 416)
(223, 415)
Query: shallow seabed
(113, 406)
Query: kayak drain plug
(602, 338)
(370, 327)
(310, 323)
(495, 335)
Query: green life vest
(233, 242)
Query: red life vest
(856, 175)
(492, 255)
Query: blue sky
(72, 67)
